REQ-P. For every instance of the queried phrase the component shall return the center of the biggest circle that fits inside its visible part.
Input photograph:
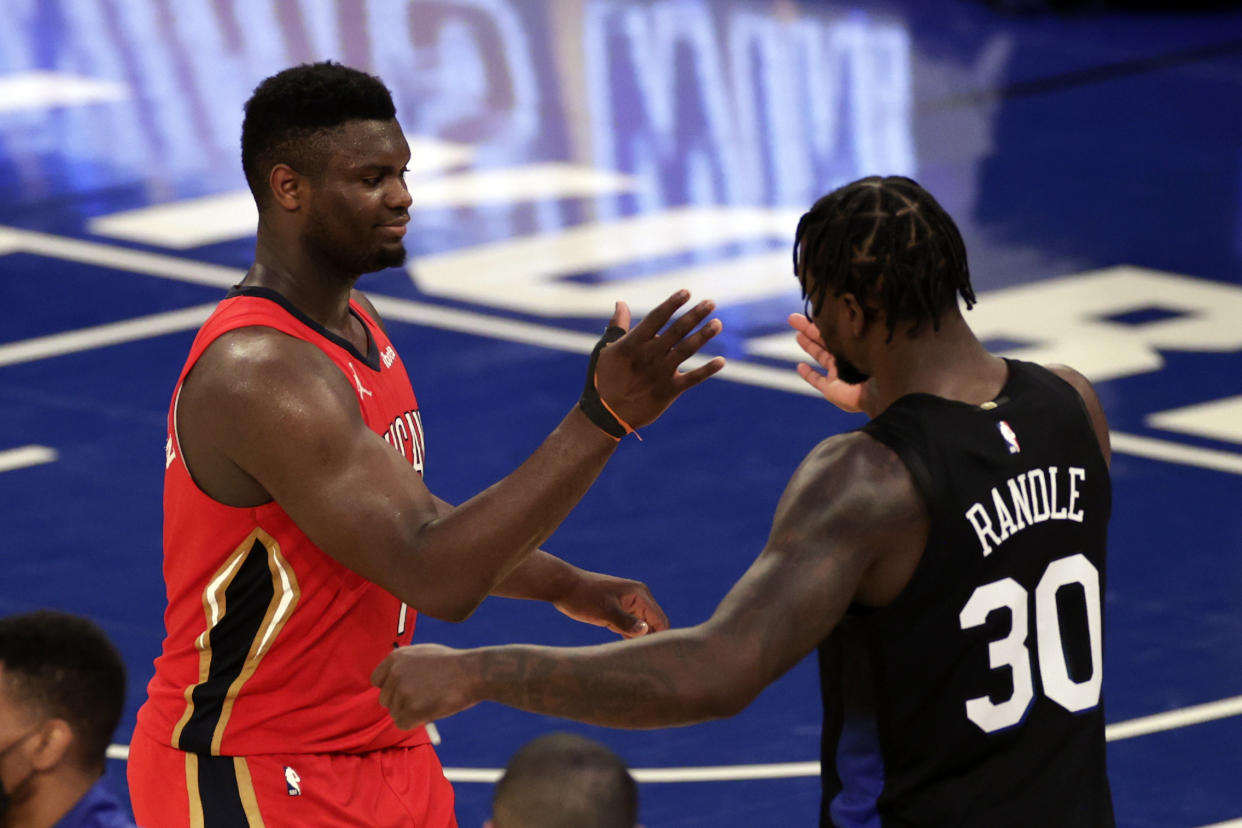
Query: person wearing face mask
(62, 687)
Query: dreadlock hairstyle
(290, 115)
(888, 242)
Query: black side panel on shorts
(219, 793)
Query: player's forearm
(480, 543)
(666, 680)
(538, 577)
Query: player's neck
(320, 294)
(949, 363)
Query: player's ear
(854, 313)
(288, 186)
(53, 745)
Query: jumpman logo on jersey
(361, 391)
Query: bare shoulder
(258, 360)
(854, 494)
(854, 501)
(258, 377)
(858, 473)
(1099, 422)
(255, 397)
(1074, 378)
(368, 306)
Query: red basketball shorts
(395, 788)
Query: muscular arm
(848, 508)
(281, 412)
(266, 416)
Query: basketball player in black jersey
(946, 560)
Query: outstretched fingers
(690, 345)
(814, 378)
(815, 351)
(810, 339)
(684, 325)
(683, 341)
(689, 379)
(660, 314)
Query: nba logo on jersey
(293, 782)
(1011, 439)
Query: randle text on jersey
(1035, 496)
(405, 434)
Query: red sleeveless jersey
(269, 642)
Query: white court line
(1172, 719)
(479, 324)
(1233, 823)
(1172, 452)
(724, 773)
(780, 379)
(83, 339)
(26, 456)
(1169, 720)
(560, 339)
(96, 254)
(471, 322)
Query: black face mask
(6, 798)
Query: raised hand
(638, 375)
(850, 398)
(623, 606)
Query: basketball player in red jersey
(299, 538)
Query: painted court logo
(1011, 439)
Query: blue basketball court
(568, 153)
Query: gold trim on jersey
(191, 788)
(245, 790)
(285, 596)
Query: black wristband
(590, 401)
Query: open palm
(850, 398)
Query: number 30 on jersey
(1012, 652)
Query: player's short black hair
(562, 780)
(888, 242)
(63, 666)
(290, 111)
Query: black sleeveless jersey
(974, 700)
